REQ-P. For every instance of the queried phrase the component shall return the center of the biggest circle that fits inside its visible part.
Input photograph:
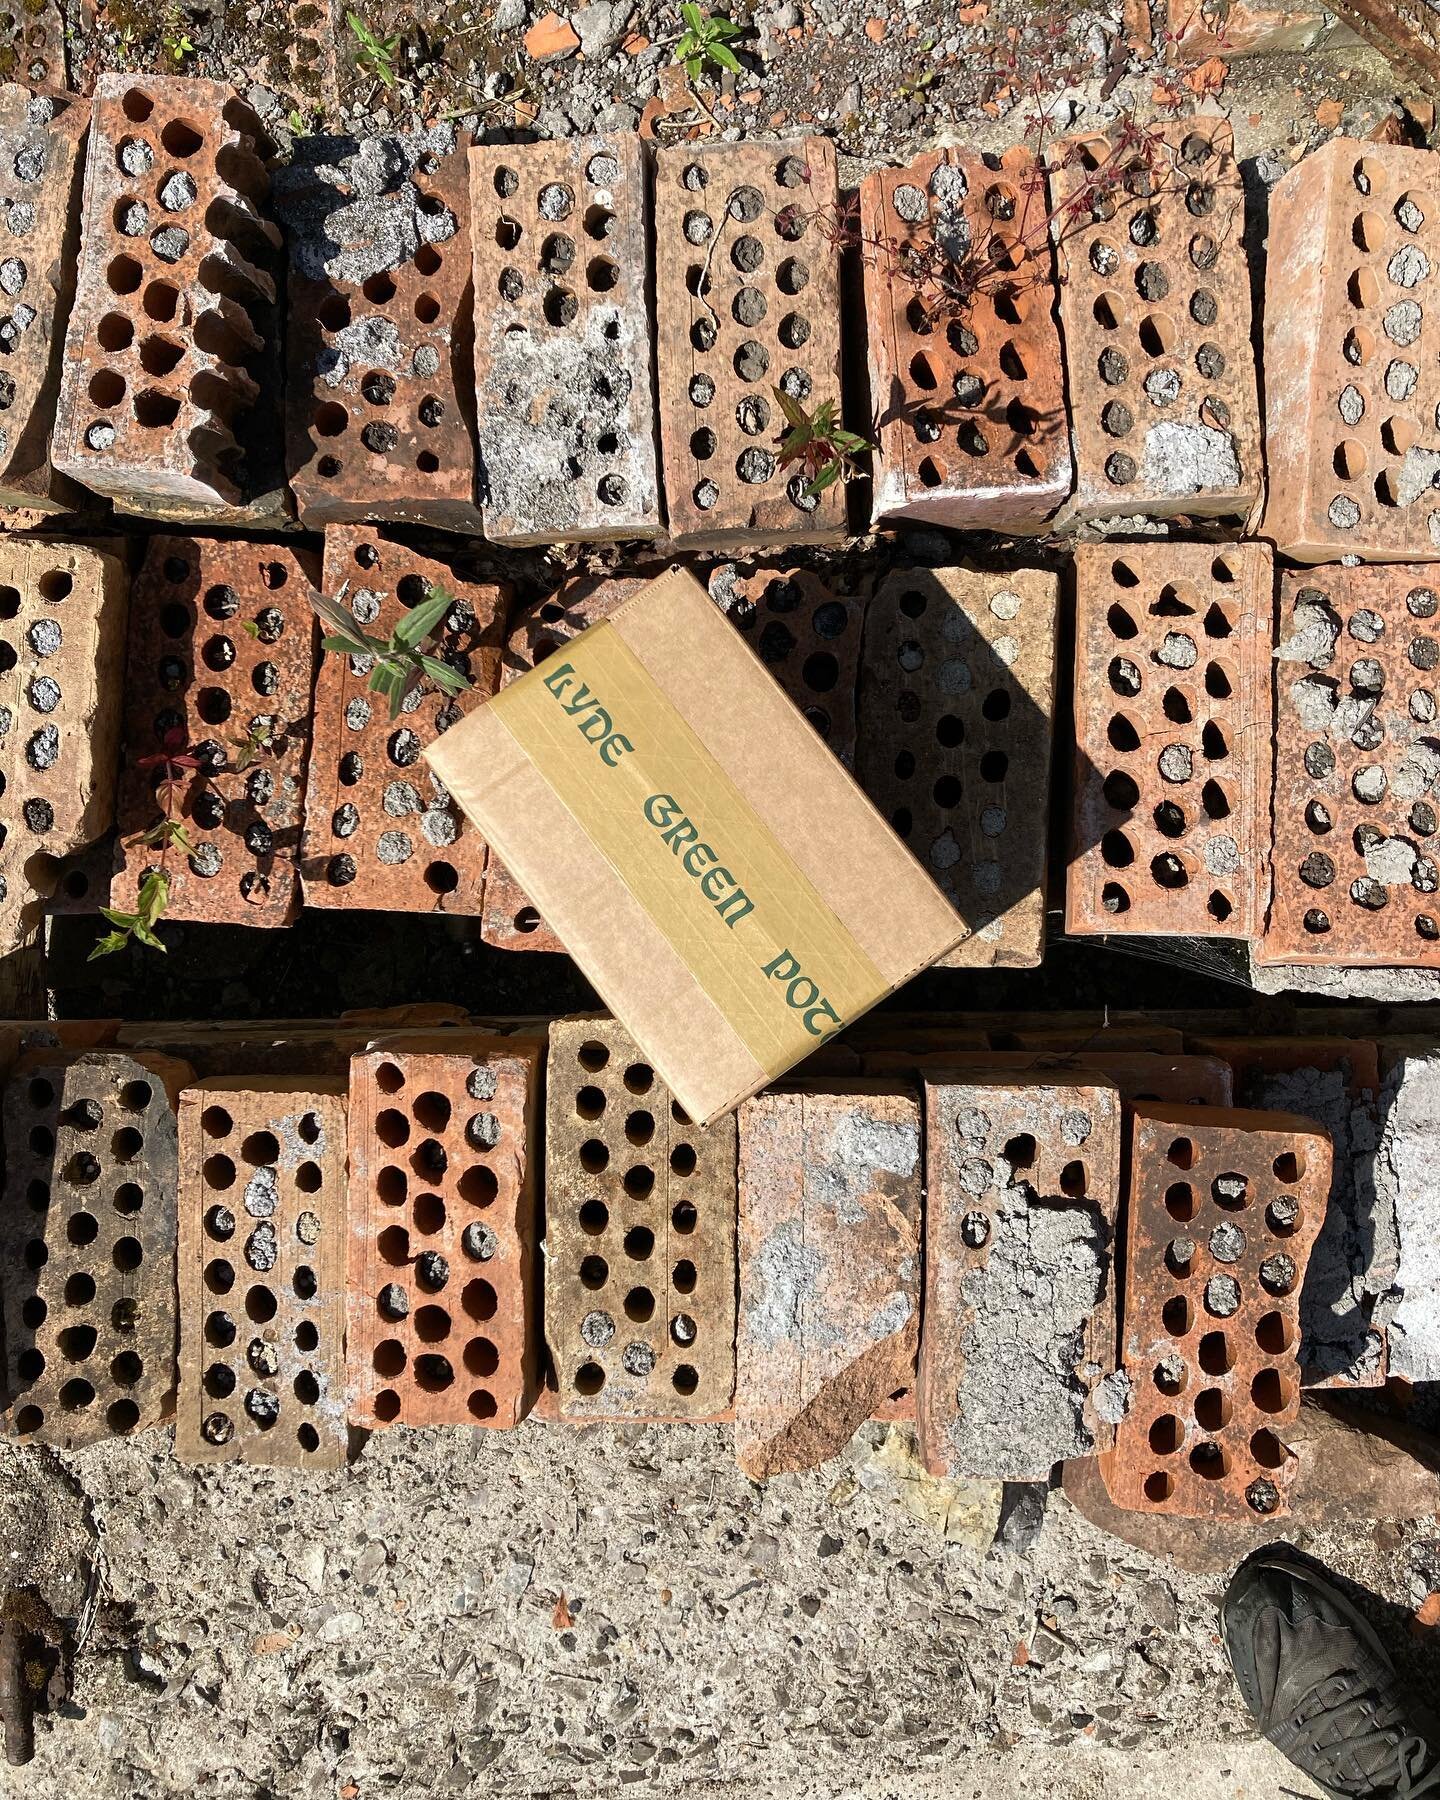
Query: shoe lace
(1360, 1728)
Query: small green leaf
(421, 620)
(693, 17)
(108, 945)
(345, 646)
(725, 57)
(827, 478)
(123, 919)
(450, 680)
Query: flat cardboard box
(730, 892)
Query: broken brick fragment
(220, 672)
(640, 1236)
(1023, 1181)
(1223, 1209)
(966, 385)
(380, 830)
(1171, 740)
(443, 1312)
(829, 1310)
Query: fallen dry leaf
(1329, 113)
(1208, 78)
(562, 1620)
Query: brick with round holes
(87, 1244)
(62, 647)
(1022, 1202)
(380, 830)
(747, 299)
(159, 405)
(1155, 321)
(222, 654)
(1223, 1208)
(968, 390)
(564, 388)
(261, 1266)
(379, 424)
(639, 1236)
(1351, 383)
(1353, 862)
(829, 1305)
(1171, 739)
(443, 1314)
(956, 719)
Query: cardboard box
(732, 895)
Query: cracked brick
(956, 711)
(222, 665)
(967, 389)
(381, 830)
(87, 1244)
(746, 300)
(563, 373)
(1171, 739)
(261, 1270)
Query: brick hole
(1288, 1167)
(589, 1378)
(1178, 706)
(37, 1195)
(429, 1160)
(107, 388)
(82, 1228)
(392, 1185)
(1282, 1215)
(432, 1111)
(42, 1140)
(181, 139)
(683, 1276)
(1363, 288)
(36, 1254)
(478, 1185)
(594, 1216)
(1213, 744)
(30, 1364)
(307, 1436)
(1173, 869)
(1116, 850)
(334, 312)
(393, 1245)
(387, 1405)
(76, 1395)
(639, 1242)
(1123, 734)
(392, 1127)
(122, 1416)
(76, 1342)
(1157, 334)
(1167, 1434)
(594, 1272)
(1074, 1180)
(639, 1305)
(428, 1214)
(1110, 311)
(34, 1313)
(638, 1182)
(1210, 1461)
(1113, 898)
(432, 1324)
(1267, 1450)
(1179, 1257)
(260, 1305)
(378, 289)
(590, 1102)
(388, 1358)
(640, 1127)
(683, 1160)
(124, 275)
(481, 1356)
(684, 1218)
(1169, 819)
(479, 1299)
(442, 878)
(1159, 1487)
(1216, 1356)
(685, 1380)
(1212, 1410)
(126, 1144)
(155, 410)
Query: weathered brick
(1171, 739)
(261, 1273)
(1023, 1189)
(829, 1309)
(564, 388)
(639, 1236)
(1351, 381)
(62, 651)
(87, 1244)
(444, 1324)
(1353, 869)
(747, 299)
(299, 60)
(966, 386)
(956, 710)
(42, 142)
(222, 652)
(380, 831)
(174, 306)
(32, 45)
(380, 324)
(1223, 1208)
(807, 632)
(1155, 318)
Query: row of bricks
(471, 344)
(426, 1184)
(938, 685)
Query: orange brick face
(174, 298)
(1351, 382)
(443, 1296)
(380, 322)
(261, 1274)
(970, 400)
(1155, 315)
(1171, 738)
(563, 371)
(380, 831)
(1354, 873)
(1223, 1209)
(221, 666)
(746, 299)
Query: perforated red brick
(62, 653)
(1351, 381)
(32, 45)
(87, 1244)
(1223, 1209)
(261, 1271)
(1023, 1193)
(563, 377)
(967, 388)
(174, 300)
(42, 141)
(379, 403)
(956, 709)
(1171, 738)
(1353, 865)
(639, 1236)
(444, 1323)
(300, 63)
(829, 1311)
(746, 300)
(222, 664)
(1155, 318)
(380, 830)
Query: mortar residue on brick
(351, 209)
(1406, 1181)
